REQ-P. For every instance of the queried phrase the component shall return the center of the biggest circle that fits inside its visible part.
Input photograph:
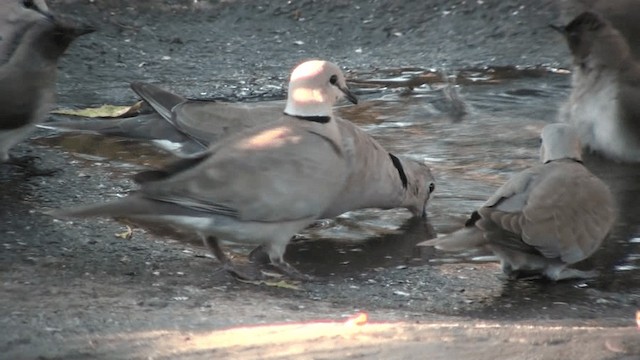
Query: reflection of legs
(259, 256)
(211, 242)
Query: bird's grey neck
(385, 192)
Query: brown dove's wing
(284, 172)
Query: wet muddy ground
(74, 290)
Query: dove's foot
(291, 272)
(254, 274)
(260, 257)
(214, 246)
(563, 273)
(28, 165)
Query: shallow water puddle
(470, 157)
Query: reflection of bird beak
(419, 213)
(348, 94)
(559, 29)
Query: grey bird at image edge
(259, 186)
(604, 104)
(31, 41)
(545, 218)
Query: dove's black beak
(348, 94)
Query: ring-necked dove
(34, 42)
(604, 105)
(377, 178)
(259, 186)
(544, 218)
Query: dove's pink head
(314, 87)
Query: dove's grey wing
(162, 101)
(210, 121)
(501, 215)
(569, 213)
(512, 195)
(566, 213)
(272, 173)
(204, 122)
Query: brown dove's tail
(466, 238)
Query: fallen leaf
(104, 111)
(278, 284)
(126, 235)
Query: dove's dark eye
(333, 79)
(29, 4)
(432, 187)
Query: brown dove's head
(16, 16)
(314, 87)
(559, 141)
(593, 41)
(15, 12)
(40, 41)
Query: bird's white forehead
(308, 69)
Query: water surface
(470, 155)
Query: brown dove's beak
(71, 28)
(559, 29)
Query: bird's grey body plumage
(544, 218)
(32, 42)
(604, 104)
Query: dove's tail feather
(161, 100)
(118, 208)
(141, 127)
(130, 207)
(463, 239)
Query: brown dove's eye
(29, 4)
(333, 79)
